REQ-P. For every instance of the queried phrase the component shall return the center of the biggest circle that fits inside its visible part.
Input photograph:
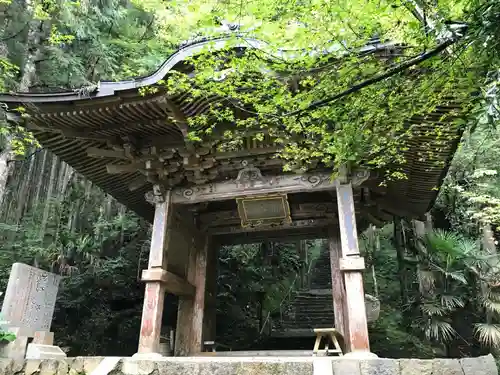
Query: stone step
(313, 298)
(314, 303)
(300, 318)
(318, 322)
(323, 309)
(309, 316)
(312, 313)
(307, 325)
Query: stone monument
(28, 307)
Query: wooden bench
(330, 335)
(211, 346)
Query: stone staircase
(307, 311)
(320, 274)
(313, 308)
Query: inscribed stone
(30, 299)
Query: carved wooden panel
(251, 182)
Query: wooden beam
(95, 152)
(173, 284)
(178, 286)
(250, 182)
(138, 183)
(125, 168)
(297, 224)
(298, 211)
(179, 118)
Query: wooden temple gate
(179, 245)
(135, 147)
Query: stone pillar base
(141, 356)
(360, 354)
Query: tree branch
(389, 73)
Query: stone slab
(29, 299)
(248, 366)
(260, 353)
(39, 351)
(322, 366)
(479, 366)
(379, 366)
(107, 365)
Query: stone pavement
(251, 366)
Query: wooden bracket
(173, 283)
(158, 195)
(352, 264)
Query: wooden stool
(210, 347)
(328, 334)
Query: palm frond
(457, 276)
(433, 309)
(443, 242)
(427, 279)
(439, 330)
(451, 245)
(491, 305)
(451, 302)
(488, 334)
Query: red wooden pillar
(351, 264)
(154, 276)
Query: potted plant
(6, 337)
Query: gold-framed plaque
(264, 210)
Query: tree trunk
(48, 201)
(402, 270)
(40, 175)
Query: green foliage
(245, 272)
(364, 127)
(101, 250)
(99, 256)
(7, 336)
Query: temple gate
(135, 147)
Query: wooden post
(338, 288)
(402, 268)
(154, 295)
(352, 265)
(302, 250)
(209, 318)
(190, 314)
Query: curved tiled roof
(69, 123)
